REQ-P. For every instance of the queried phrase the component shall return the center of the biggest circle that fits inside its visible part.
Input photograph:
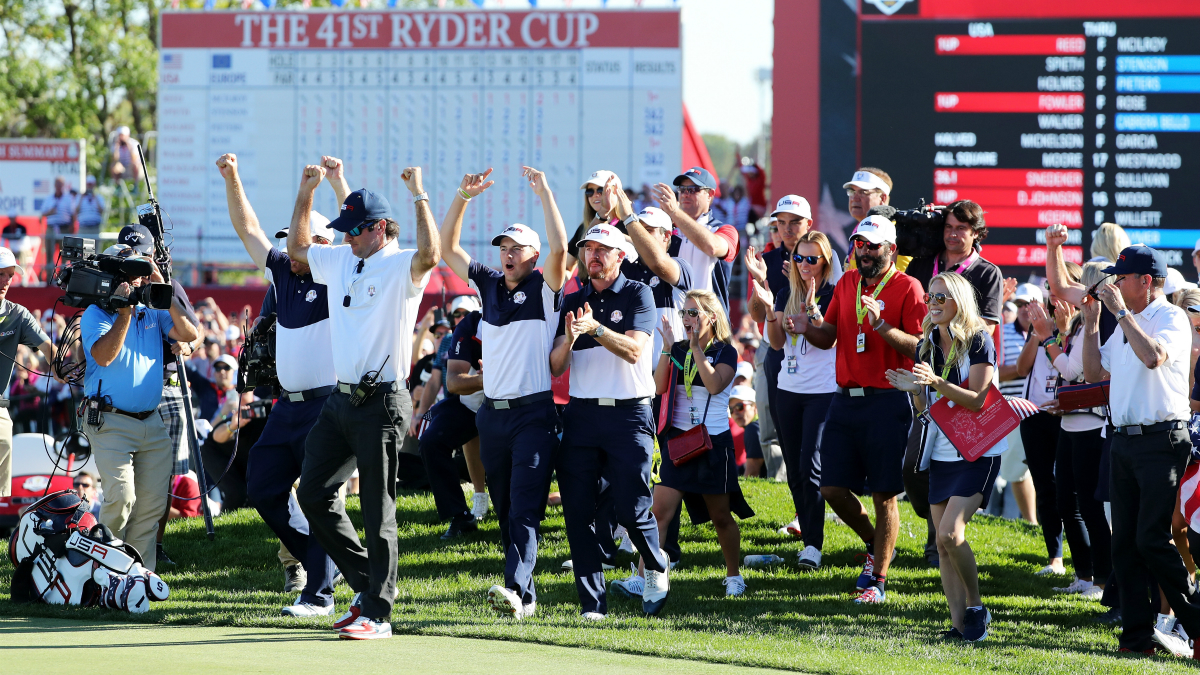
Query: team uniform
(691, 404)
(668, 298)
(709, 273)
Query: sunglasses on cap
(691, 189)
(863, 243)
(360, 229)
(939, 298)
(223, 367)
(683, 313)
(810, 259)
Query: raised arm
(429, 246)
(241, 214)
(696, 233)
(757, 270)
(1056, 269)
(299, 235)
(335, 173)
(472, 185)
(554, 267)
(649, 251)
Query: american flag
(1023, 407)
(41, 187)
(172, 61)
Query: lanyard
(949, 362)
(858, 308)
(690, 369)
(962, 266)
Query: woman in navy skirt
(701, 369)
(956, 359)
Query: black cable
(237, 437)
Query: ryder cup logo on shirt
(882, 305)
(617, 316)
(519, 297)
(371, 291)
(310, 296)
(653, 282)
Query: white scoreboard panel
(451, 92)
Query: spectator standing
(708, 245)
(598, 206)
(744, 415)
(89, 211)
(125, 165)
(59, 213)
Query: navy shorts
(864, 439)
(963, 479)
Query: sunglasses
(691, 189)
(739, 407)
(693, 313)
(939, 298)
(222, 367)
(810, 259)
(774, 229)
(83, 485)
(459, 314)
(862, 243)
(360, 229)
(866, 193)
(590, 192)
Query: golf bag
(64, 557)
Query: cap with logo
(1028, 293)
(1139, 259)
(698, 175)
(360, 208)
(7, 259)
(793, 204)
(467, 302)
(741, 393)
(600, 179)
(875, 229)
(522, 234)
(652, 216)
(605, 235)
(318, 226)
(865, 180)
(137, 237)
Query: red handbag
(692, 443)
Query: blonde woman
(806, 386)
(598, 206)
(1108, 241)
(956, 359)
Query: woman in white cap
(598, 207)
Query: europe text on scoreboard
(567, 92)
(1066, 112)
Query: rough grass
(788, 619)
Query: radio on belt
(367, 385)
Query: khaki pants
(5, 453)
(134, 458)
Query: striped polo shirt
(517, 331)
(595, 371)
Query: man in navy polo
(608, 426)
(707, 244)
(518, 423)
(304, 363)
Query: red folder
(1080, 396)
(974, 433)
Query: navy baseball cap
(137, 237)
(1140, 260)
(699, 176)
(361, 207)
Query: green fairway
(788, 619)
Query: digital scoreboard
(567, 92)
(1078, 121)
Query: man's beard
(870, 266)
(602, 273)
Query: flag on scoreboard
(41, 187)
(172, 61)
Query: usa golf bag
(64, 557)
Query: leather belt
(609, 402)
(307, 394)
(1143, 429)
(509, 403)
(104, 407)
(383, 387)
(862, 391)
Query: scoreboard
(567, 92)
(1078, 120)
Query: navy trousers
(274, 465)
(799, 432)
(450, 424)
(517, 447)
(614, 444)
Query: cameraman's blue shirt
(133, 381)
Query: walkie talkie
(367, 385)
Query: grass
(788, 619)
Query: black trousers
(369, 437)
(448, 425)
(1077, 471)
(1039, 434)
(1144, 479)
(801, 421)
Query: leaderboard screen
(567, 92)
(1078, 121)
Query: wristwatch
(1123, 313)
(423, 197)
(599, 332)
(632, 217)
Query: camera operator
(376, 290)
(17, 327)
(123, 347)
(304, 365)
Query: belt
(308, 394)
(104, 407)
(613, 401)
(509, 403)
(382, 387)
(3, 403)
(862, 391)
(1143, 429)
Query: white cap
(875, 229)
(123, 130)
(227, 360)
(522, 234)
(600, 179)
(742, 393)
(865, 180)
(232, 333)
(745, 369)
(652, 216)
(1197, 248)
(7, 259)
(467, 302)
(605, 235)
(794, 204)
(1175, 282)
(318, 226)
(1029, 293)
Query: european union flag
(222, 61)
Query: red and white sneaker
(871, 595)
(366, 629)
(792, 528)
(351, 614)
